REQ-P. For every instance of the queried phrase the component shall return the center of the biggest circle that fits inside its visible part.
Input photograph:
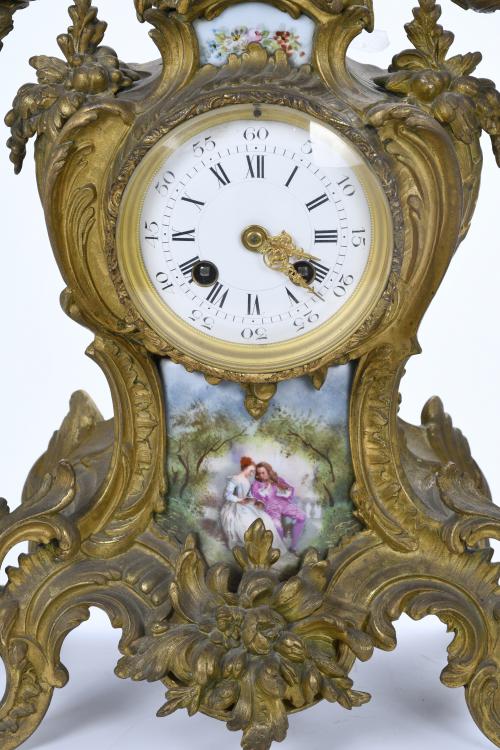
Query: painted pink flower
(254, 35)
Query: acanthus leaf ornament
(142, 6)
(444, 85)
(89, 70)
(7, 10)
(244, 654)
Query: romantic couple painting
(258, 492)
(216, 486)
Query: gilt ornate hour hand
(278, 251)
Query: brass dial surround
(227, 358)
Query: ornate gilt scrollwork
(444, 85)
(251, 651)
(243, 655)
(64, 86)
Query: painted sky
(299, 395)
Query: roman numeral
(326, 235)
(186, 236)
(255, 166)
(216, 295)
(253, 304)
(187, 267)
(289, 181)
(219, 172)
(317, 202)
(321, 271)
(199, 204)
(291, 296)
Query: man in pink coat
(277, 497)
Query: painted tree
(196, 434)
(324, 445)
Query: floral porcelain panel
(237, 27)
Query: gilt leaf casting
(444, 85)
(88, 70)
(249, 653)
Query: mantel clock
(253, 227)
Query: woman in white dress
(240, 509)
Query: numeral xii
(256, 166)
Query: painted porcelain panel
(236, 28)
(302, 442)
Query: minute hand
(278, 260)
(297, 279)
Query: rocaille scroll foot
(244, 654)
(264, 635)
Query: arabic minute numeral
(166, 180)
(259, 334)
(204, 321)
(307, 148)
(344, 282)
(347, 187)
(358, 237)
(301, 323)
(163, 281)
(152, 233)
(206, 145)
(252, 134)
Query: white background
(43, 363)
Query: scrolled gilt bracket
(39, 519)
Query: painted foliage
(292, 468)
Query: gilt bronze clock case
(246, 643)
